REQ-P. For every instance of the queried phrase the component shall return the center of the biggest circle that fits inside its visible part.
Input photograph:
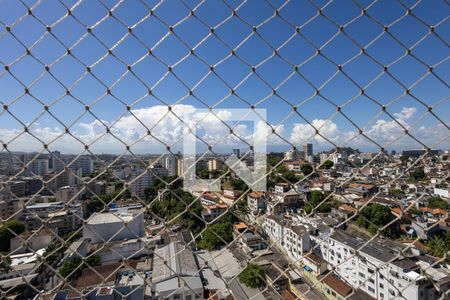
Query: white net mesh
(99, 99)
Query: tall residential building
(215, 165)
(37, 167)
(237, 153)
(84, 163)
(171, 164)
(308, 149)
(57, 162)
(140, 180)
(180, 168)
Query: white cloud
(302, 133)
(167, 127)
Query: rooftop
(111, 217)
(130, 278)
(45, 205)
(298, 229)
(240, 226)
(383, 250)
(174, 259)
(337, 285)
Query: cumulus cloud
(166, 128)
(328, 130)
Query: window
(395, 274)
(381, 295)
(370, 271)
(371, 280)
(381, 285)
(362, 275)
(371, 289)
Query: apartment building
(171, 164)
(296, 241)
(285, 201)
(67, 193)
(379, 267)
(274, 228)
(17, 188)
(55, 216)
(140, 180)
(212, 211)
(85, 163)
(257, 202)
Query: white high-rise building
(140, 180)
(38, 167)
(84, 163)
(171, 164)
(308, 149)
(57, 162)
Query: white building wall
(114, 230)
(296, 245)
(370, 274)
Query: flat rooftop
(111, 217)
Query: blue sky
(295, 48)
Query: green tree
(217, 235)
(93, 260)
(273, 160)
(76, 265)
(238, 184)
(9, 230)
(51, 253)
(5, 264)
(438, 202)
(375, 216)
(202, 173)
(404, 159)
(173, 203)
(417, 174)
(439, 245)
(281, 169)
(396, 193)
(306, 169)
(241, 206)
(287, 176)
(253, 276)
(328, 164)
(72, 268)
(315, 202)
